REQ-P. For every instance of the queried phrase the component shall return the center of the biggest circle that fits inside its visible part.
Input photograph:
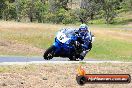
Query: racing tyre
(72, 57)
(49, 53)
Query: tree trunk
(17, 10)
(83, 4)
(53, 6)
(31, 11)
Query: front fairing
(59, 44)
(65, 36)
(62, 37)
(62, 48)
(63, 41)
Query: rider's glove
(84, 47)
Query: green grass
(4, 69)
(111, 49)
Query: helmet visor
(83, 31)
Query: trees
(55, 5)
(2, 5)
(7, 10)
(126, 5)
(41, 10)
(106, 8)
(57, 11)
(109, 9)
(89, 8)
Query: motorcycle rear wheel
(72, 57)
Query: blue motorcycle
(66, 45)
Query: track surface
(21, 60)
(30, 59)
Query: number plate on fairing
(62, 37)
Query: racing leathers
(84, 40)
(86, 43)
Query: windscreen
(69, 32)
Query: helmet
(83, 29)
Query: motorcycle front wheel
(49, 53)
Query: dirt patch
(59, 75)
(9, 47)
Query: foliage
(57, 11)
(40, 11)
(109, 8)
(89, 8)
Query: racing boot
(83, 54)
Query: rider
(84, 34)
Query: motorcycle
(66, 44)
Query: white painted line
(58, 62)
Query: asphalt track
(21, 60)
